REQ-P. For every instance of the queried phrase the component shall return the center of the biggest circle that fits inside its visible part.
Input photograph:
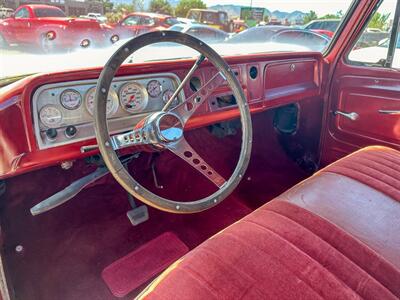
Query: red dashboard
(268, 81)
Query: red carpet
(66, 249)
(139, 266)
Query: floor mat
(139, 266)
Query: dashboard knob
(51, 134)
(70, 131)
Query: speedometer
(50, 116)
(70, 99)
(133, 97)
(112, 101)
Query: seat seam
(391, 154)
(351, 236)
(382, 157)
(229, 265)
(352, 164)
(201, 280)
(383, 164)
(359, 172)
(285, 265)
(313, 259)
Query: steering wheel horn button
(169, 127)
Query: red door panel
(371, 122)
(374, 95)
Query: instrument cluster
(63, 112)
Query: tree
(138, 5)
(107, 5)
(338, 15)
(184, 6)
(119, 12)
(329, 16)
(124, 8)
(379, 20)
(161, 7)
(312, 15)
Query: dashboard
(63, 113)
(47, 119)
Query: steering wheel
(164, 130)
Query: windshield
(65, 38)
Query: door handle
(389, 112)
(352, 115)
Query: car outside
(214, 18)
(205, 33)
(283, 35)
(324, 26)
(47, 28)
(96, 16)
(141, 22)
(376, 55)
(6, 12)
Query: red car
(48, 28)
(326, 26)
(142, 22)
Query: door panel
(369, 98)
(368, 93)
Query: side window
(148, 21)
(23, 13)
(131, 21)
(372, 47)
(315, 25)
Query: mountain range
(233, 10)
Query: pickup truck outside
(47, 28)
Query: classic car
(202, 32)
(47, 28)
(203, 171)
(326, 26)
(211, 17)
(283, 35)
(137, 23)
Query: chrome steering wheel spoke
(186, 109)
(183, 149)
(135, 137)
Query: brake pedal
(138, 214)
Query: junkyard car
(47, 28)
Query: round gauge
(50, 116)
(167, 95)
(112, 101)
(133, 97)
(70, 99)
(154, 88)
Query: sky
(321, 7)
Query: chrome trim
(352, 115)
(121, 123)
(389, 112)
